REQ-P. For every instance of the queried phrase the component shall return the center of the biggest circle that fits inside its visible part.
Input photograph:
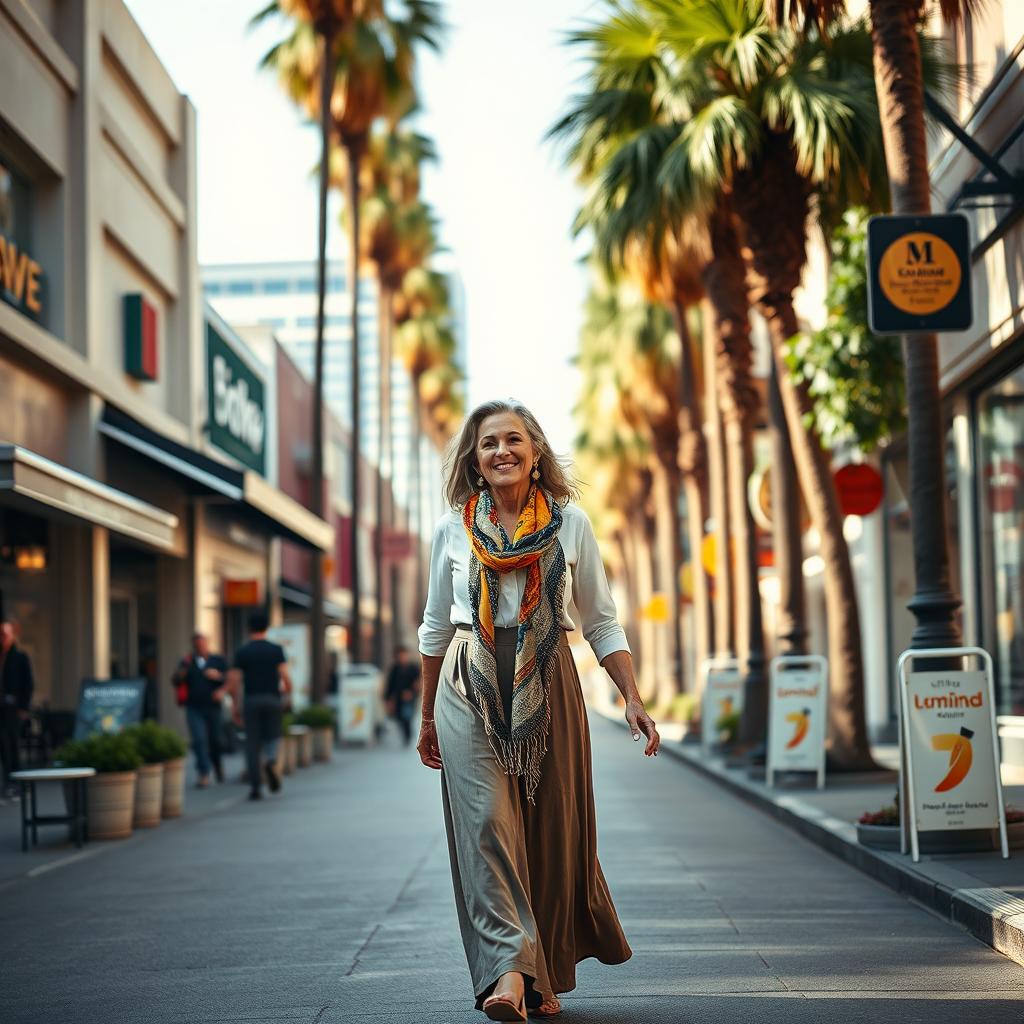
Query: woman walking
(503, 713)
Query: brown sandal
(502, 1008)
(549, 1008)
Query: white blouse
(586, 586)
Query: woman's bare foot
(507, 1001)
(510, 986)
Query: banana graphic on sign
(358, 713)
(802, 721)
(726, 707)
(961, 754)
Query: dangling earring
(480, 482)
(536, 471)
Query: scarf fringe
(522, 756)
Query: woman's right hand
(429, 751)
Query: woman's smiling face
(504, 451)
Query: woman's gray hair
(460, 472)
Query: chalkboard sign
(108, 705)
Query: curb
(994, 916)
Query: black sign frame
(885, 318)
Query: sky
(506, 205)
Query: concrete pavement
(333, 903)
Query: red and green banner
(140, 344)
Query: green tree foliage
(854, 377)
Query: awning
(48, 488)
(279, 514)
(301, 598)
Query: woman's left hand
(641, 722)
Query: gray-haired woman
(503, 714)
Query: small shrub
(728, 726)
(287, 721)
(316, 716)
(116, 752)
(157, 743)
(684, 708)
(886, 816)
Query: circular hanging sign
(860, 488)
(920, 273)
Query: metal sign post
(723, 693)
(796, 715)
(949, 747)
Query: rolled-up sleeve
(593, 598)
(436, 630)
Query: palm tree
(768, 116)
(613, 456)
(372, 57)
(899, 81)
(326, 18)
(620, 131)
(397, 234)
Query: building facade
(137, 496)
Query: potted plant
(163, 753)
(287, 749)
(727, 727)
(881, 830)
(320, 719)
(111, 791)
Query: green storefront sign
(235, 403)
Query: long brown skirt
(530, 893)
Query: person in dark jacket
(259, 671)
(205, 676)
(16, 685)
(402, 690)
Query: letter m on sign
(919, 253)
(140, 343)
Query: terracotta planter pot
(290, 749)
(174, 788)
(111, 798)
(323, 743)
(303, 737)
(281, 761)
(149, 796)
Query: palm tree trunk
(787, 532)
(383, 467)
(898, 81)
(724, 283)
(415, 490)
(693, 461)
(772, 203)
(317, 623)
(667, 487)
(724, 621)
(353, 152)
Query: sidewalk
(979, 891)
(332, 903)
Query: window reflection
(1001, 482)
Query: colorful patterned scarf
(519, 745)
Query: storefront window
(1001, 527)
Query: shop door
(124, 631)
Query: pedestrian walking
(16, 686)
(201, 678)
(503, 714)
(402, 689)
(259, 683)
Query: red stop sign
(860, 488)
